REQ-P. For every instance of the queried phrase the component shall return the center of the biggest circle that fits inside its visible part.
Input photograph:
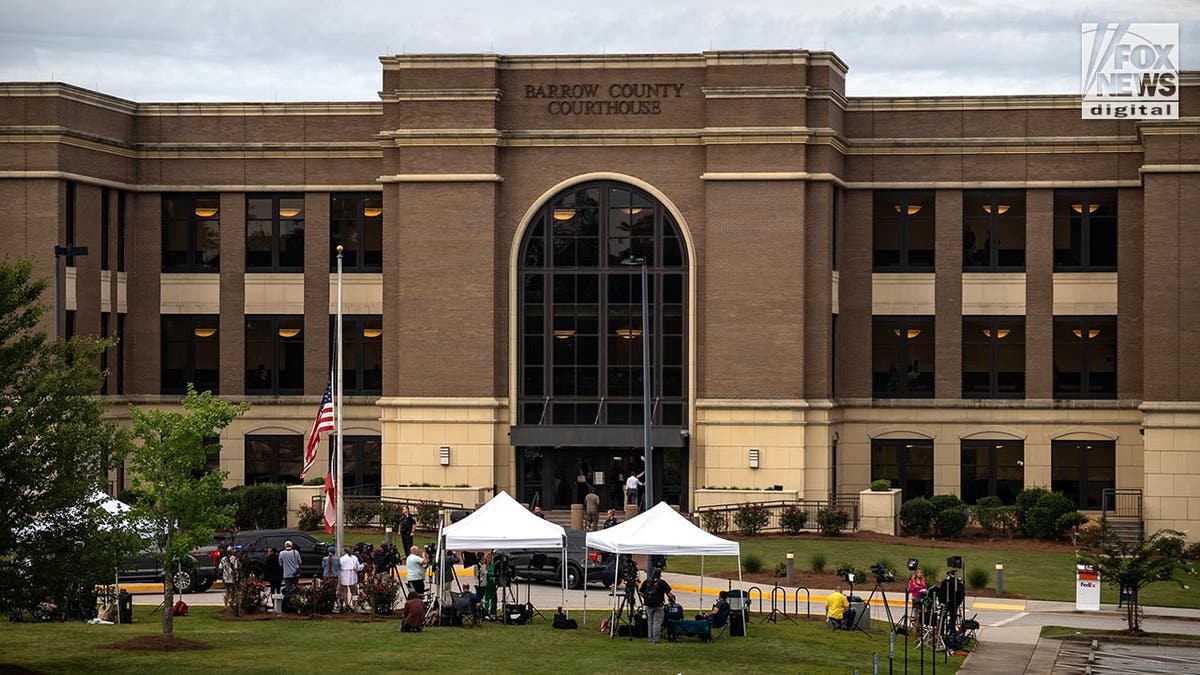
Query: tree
(1135, 565)
(56, 448)
(181, 504)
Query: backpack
(563, 623)
(179, 609)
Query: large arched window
(581, 328)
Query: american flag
(324, 422)
(331, 494)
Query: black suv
(195, 573)
(544, 564)
(255, 543)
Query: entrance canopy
(661, 531)
(502, 523)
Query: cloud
(308, 50)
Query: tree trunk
(168, 615)
(1134, 616)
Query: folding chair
(466, 608)
(720, 623)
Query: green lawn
(1033, 574)
(305, 645)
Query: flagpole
(338, 476)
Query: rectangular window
(275, 233)
(274, 355)
(120, 353)
(993, 230)
(274, 459)
(191, 233)
(907, 463)
(993, 357)
(121, 230)
(1085, 230)
(362, 354)
(363, 473)
(356, 223)
(69, 324)
(1081, 470)
(837, 196)
(104, 227)
(104, 354)
(69, 224)
(902, 356)
(903, 226)
(191, 352)
(1085, 357)
(992, 469)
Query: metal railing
(375, 506)
(721, 518)
(1121, 508)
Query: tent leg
(562, 590)
(701, 583)
(585, 582)
(612, 617)
(746, 608)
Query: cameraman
(415, 565)
(655, 592)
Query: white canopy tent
(503, 524)
(662, 531)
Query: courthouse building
(962, 294)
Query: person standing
(489, 584)
(611, 519)
(274, 571)
(289, 560)
(415, 567)
(916, 584)
(655, 593)
(348, 568)
(591, 508)
(406, 525)
(330, 565)
(953, 595)
(231, 570)
(631, 488)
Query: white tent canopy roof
(502, 523)
(661, 531)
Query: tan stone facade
(769, 172)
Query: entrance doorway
(557, 477)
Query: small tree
(1135, 565)
(181, 505)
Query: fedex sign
(1130, 70)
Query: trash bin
(739, 605)
(124, 607)
(862, 613)
(737, 624)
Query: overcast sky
(306, 50)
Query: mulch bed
(347, 617)
(157, 643)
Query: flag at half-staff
(323, 424)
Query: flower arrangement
(380, 591)
(310, 517)
(252, 595)
(318, 598)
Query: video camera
(505, 571)
(882, 573)
(628, 571)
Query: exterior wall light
(753, 458)
(444, 455)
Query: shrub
(313, 481)
(832, 522)
(942, 502)
(1192, 552)
(427, 516)
(994, 517)
(715, 521)
(978, 577)
(381, 591)
(318, 598)
(952, 521)
(1070, 521)
(1042, 511)
(311, 518)
(781, 570)
(916, 517)
(817, 562)
(750, 519)
(932, 572)
(1027, 499)
(251, 595)
(881, 485)
(389, 516)
(793, 519)
(752, 563)
(845, 568)
(360, 514)
(131, 496)
(259, 507)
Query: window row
(993, 357)
(279, 459)
(1080, 470)
(274, 354)
(994, 222)
(191, 232)
(110, 218)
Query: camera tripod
(629, 600)
(886, 607)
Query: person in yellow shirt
(836, 609)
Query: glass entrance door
(556, 478)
